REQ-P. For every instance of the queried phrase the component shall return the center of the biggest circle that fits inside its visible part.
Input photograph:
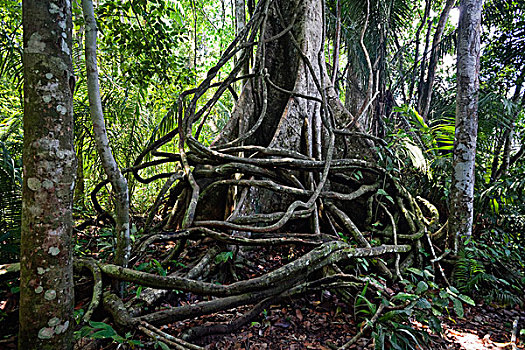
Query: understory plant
(403, 321)
(492, 268)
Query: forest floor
(318, 325)
(317, 320)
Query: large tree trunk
(294, 82)
(462, 186)
(46, 284)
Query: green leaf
(83, 332)
(142, 266)
(380, 341)
(404, 296)
(458, 308)
(223, 257)
(163, 346)
(435, 324)
(454, 290)
(411, 334)
(467, 299)
(423, 304)
(422, 286)
(436, 312)
(103, 334)
(100, 325)
(382, 191)
(416, 271)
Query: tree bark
(46, 283)
(462, 186)
(117, 180)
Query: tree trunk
(118, 181)
(46, 283)
(290, 121)
(416, 48)
(462, 186)
(420, 86)
(428, 86)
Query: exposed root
(283, 171)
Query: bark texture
(117, 180)
(46, 285)
(462, 186)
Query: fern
(10, 211)
(489, 280)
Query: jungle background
(151, 52)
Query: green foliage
(492, 268)
(101, 330)
(503, 58)
(223, 257)
(10, 208)
(152, 266)
(393, 329)
(10, 129)
(143, 37)
(421, 300)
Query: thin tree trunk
(427, 92)
(46, 282)
(420, 86)
(416, 49)
(354, 96)
(462, 186)
(118, 182)
(366, 122)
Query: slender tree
(462, 187)
(111, 168)
(434, 56)
(46, 284)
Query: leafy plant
(492, 271)
(10, 212)
(101, 330)
(152, 266)
(421, 300)
(223, 257)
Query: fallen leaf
(299, 314)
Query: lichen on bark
(46, 285)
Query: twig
(514, 333)
(369, 324)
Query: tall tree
(462, 186)
(46, 285)
(426, 97)
(111, 168)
